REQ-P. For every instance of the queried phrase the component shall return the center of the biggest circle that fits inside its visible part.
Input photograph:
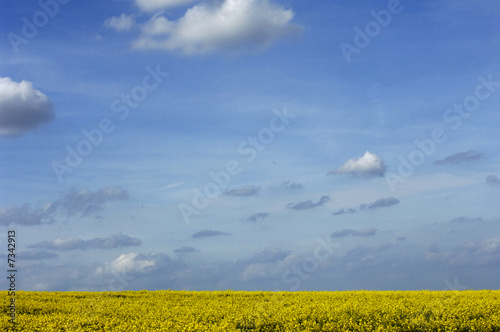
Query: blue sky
(250, 144)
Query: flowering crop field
(254, 311)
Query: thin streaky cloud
(459, 157)
(257, 216)
(353, 232)
(379, 203)
(110, 242)
(292, 185)
(461, 220)
(186, 250)
(208, 233)
(250, 190)
(344, 211)
(309, 204)
(383, 202)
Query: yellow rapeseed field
(254, 311)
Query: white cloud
(382, 266)
(133, 270)
(22, 107)
(230, 25)
(61, 244)
(485, 252)
(114, 241)
(369, 165)
(132, 262)
(151, 5)
(120, 23)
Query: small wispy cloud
(461, 220)
(120, 23)
(379, 203)
(292, 185)
(208, 233)
(185, 250)
(383, 202)
(459, 157)
(352, 232)
(269, 256)
(250, 190)
(344, 211)
(308, 204)
(257, 216)
(493, 180)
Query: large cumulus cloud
(22, 107)
(233, 25)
